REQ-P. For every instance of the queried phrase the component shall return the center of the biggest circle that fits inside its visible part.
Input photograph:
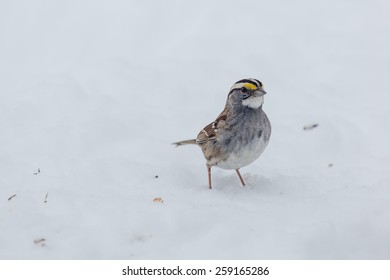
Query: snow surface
(92, 93)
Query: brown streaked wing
(209, 132)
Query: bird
(239, 135)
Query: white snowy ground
(92, 93)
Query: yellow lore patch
(250, 86)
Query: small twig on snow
(310, 126)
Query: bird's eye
(244, 89)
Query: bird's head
(247, 92)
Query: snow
(93, 93)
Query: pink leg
(209, 174)
(239, 176)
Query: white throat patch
(253, 102)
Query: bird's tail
(184, 142)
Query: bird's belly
(244, 156)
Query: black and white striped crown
(250, 84)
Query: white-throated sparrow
(240, 133)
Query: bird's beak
(260, 92)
